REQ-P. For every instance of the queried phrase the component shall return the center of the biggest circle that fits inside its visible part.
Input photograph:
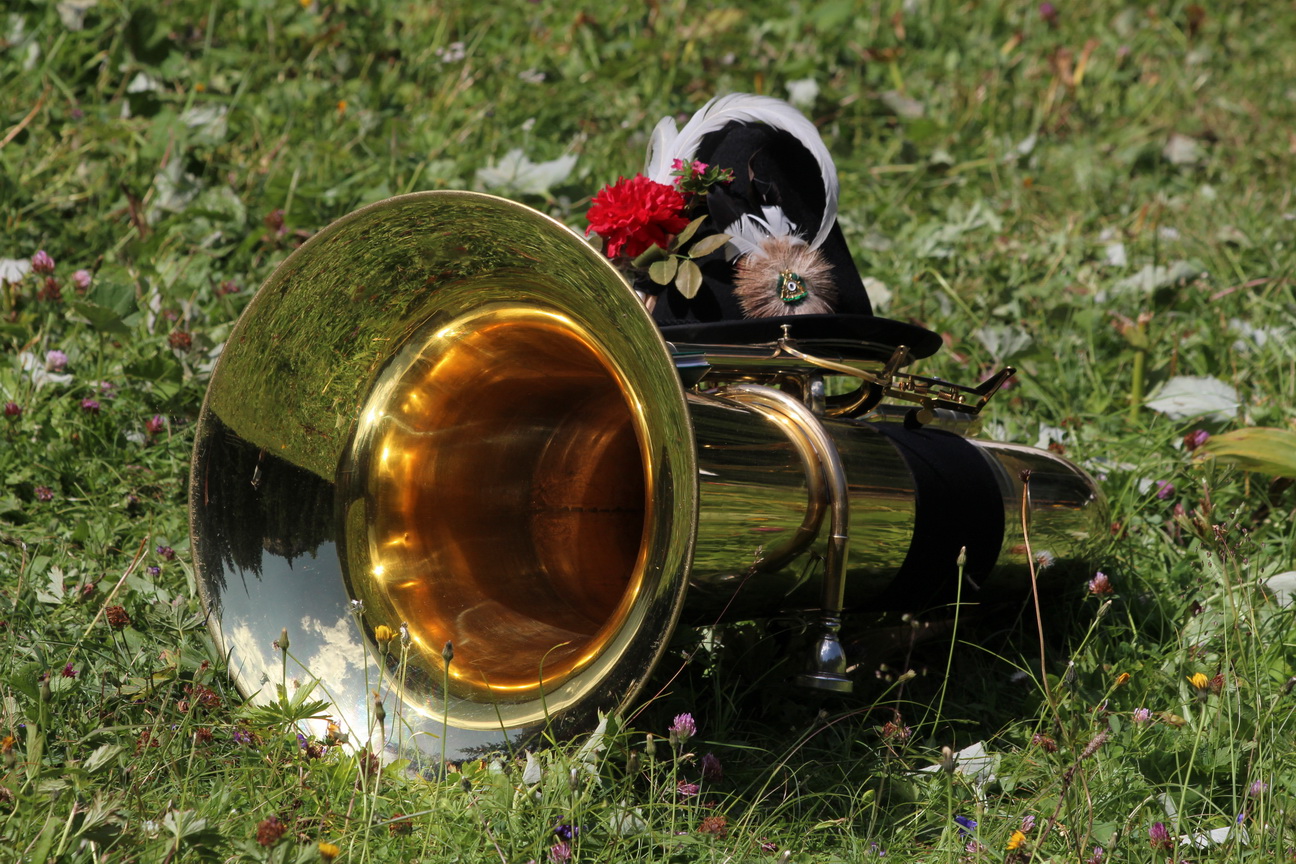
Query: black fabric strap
(958, 504)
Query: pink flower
(1164, 489)
(1100, 584)
(712, 771)
(698, 168)
(1195, 439)
(81, 279)
(90, 406)
(42, 263)
(154, 424)
(13, 410)
(55, 361)
(44, 493)
(1159, 837)
(636, 214)
(682, 730)
(687, 790)
(1142, 716)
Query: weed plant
(1099, 193)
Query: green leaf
(689, 279)
(707, 245)
(662, 272)
(648, 256)
(1261, 448)
(688, 232)
(105, 756)
(99, 317)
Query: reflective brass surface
(504, 500)
(449, 412)
(447, 416)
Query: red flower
(636, 214)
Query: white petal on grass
(40, 376)
(1003, 341)
(1255, 337)
(878, 293)
(627, 821)
(974, 762)
(1283, 587)
(1214, 837)
(531, 775)
(1114, 253)
(903, 106)
(72, 12)
(12, 270)
(1152, 277)
(517, 174)
(208, 123)
(1187, 396)
(142, 83)
(803, 92)
(1048, 434)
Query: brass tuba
(447, 453)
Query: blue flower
(966, 825)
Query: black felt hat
(780, 202)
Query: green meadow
(1099, 194)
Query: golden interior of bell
(506, 499)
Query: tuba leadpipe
(447, 417)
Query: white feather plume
(750, 231)
(669, 143)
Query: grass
(1083, 195)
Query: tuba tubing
(446, 451)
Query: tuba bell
(447, 452)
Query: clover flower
(269, 831)
(55, 361)
(118, 618)
(682, 729)
(1159, 837)
(42, 263)
(90, 406)
(712, 770)
(1195, 439)
(686, 789)
(1100, 584)
(81, 279)
(154, 425)
(1164, 489)
(1142, 715)
(560, 852)
(12, 410)
(716, 826)
(44, 493)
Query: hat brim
(855, 337)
